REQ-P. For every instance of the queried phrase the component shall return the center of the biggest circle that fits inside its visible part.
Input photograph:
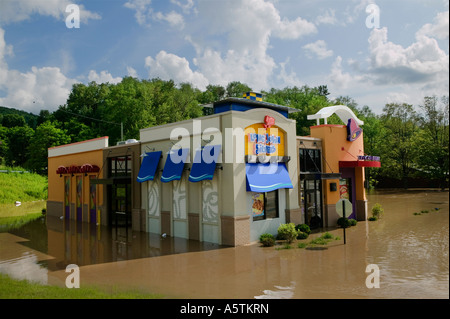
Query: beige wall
(234, 223)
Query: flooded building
(225, 178)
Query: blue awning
(204, 163)
(174, 165)
(148, 166)
(267, 177)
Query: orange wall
(335, 148)
(56, 183)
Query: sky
(376, 52)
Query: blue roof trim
(149, 166)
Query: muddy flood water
(410, 251)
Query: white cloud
(169, 66)
(422, 61)
(338, 77)
(438, 30)
(318, 49)
(329, 17)
(145, 14)
(20, 10)
(103, 77)
(142, 8)
(248, 26)
(187, 7)
(132, 72)
(174, 19)
(39, 88)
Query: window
(119, 166)
(265, 205)
(310, 160)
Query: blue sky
(262, 43)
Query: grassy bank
(22, 187)
(23, 289)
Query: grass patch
(323, 240)
(23, 289)
(23, 187)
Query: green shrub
(302, 235)
(424, 212)
(287, 232)
(353, 222)
(267, 240)
(372, 218)
(302, 245)
(327, 235)
(343, 222)
(303, 228)
(377, 211)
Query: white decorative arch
(342, 111)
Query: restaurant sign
(264, 139)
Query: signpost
(344, 208)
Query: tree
(433, 139)
(13, 120)
(373, 140)
(400, 122)
(237, 89)
(46, 136)
(18, 140)
(44, 115)
(307, 100)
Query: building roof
(252, 103)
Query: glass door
(120, 203)
(313, 203)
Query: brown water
(411, 252)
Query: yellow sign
(264, 141)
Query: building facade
(224, 178)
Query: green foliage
(287, 232)
(372, 218)
(377, 211)
(303, 228)
(307, 100)
(22, 187)
(412, 141)
(343, 222)
(267, 240)
(302, 235)
(23, 289)
(46, 136)
(353, 222)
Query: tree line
(412, 141)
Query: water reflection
(410, 250)
(71, 242)
(25, 267)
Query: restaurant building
(224, 178)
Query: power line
(91, 118)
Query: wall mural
(210, 201)
(179, 199)
(153, 198)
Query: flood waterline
(410, 250)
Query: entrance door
(313, 203)
(120, 204)
(347, 187)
